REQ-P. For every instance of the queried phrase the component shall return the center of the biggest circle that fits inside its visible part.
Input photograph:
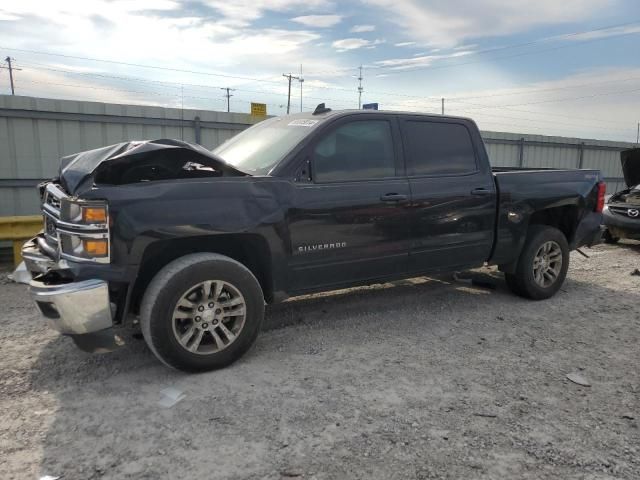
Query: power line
(506, 47)
(161, 83)
(537, 90)
(555, 100)
(398, 70)
(164, 95)
(338, 88)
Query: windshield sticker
(302, 123)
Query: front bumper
(79, 309)
(74, 308)
(621, 226)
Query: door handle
(393, 197)
(480, 191)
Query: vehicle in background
(194, 243)
(622, 211)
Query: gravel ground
(419, 379)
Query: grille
(51, 210)
(53, 201)
(620, 210)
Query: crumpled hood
(78, 169)
(631, 166)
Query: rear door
(350, 223)
(453, 196)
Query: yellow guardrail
(19, 230)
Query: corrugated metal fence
(518, 150)
(36, 132)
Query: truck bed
(522, 191)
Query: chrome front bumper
(74, 308)
(80, 309)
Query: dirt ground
(420, 379)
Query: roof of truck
(336, 113)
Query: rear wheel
(543, 264)
(202, 312)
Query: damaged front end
(74, 241)
(622, 212)
(141, 161)
(75, 284)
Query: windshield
(259, 148)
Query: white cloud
(318, 21)
(355, 43)
(605, 33)
(244, 12)
(418, 61)
(446, 23)
(350, 44)
(405, 44)
(362, 28)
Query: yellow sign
(259, 109)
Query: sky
(567, 68)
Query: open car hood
(631, 166)
(141, 161)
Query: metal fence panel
(36, 132)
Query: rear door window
(438, 148)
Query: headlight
(78, 246)
(93, 213)
(83, 230)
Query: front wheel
(543, 264)
(201, 312)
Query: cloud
(362, 28)
(405, 44)
(355, 43)
(318, 21)
(418, 61)
(447, 24)
(243, 12)
(604, 33)
(350, 44)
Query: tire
(169, 312)
(524, 282)
(608, 238)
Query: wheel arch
(564, 218)
(250, 249)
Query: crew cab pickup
(192, 244)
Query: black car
(622, 212)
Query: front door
(350, 223)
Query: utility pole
(442, 105)
(228, 95)
(11, 68)
(638, 134)
(360, 89)
(290, 77)
(301, 80)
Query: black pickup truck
(193, 243)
